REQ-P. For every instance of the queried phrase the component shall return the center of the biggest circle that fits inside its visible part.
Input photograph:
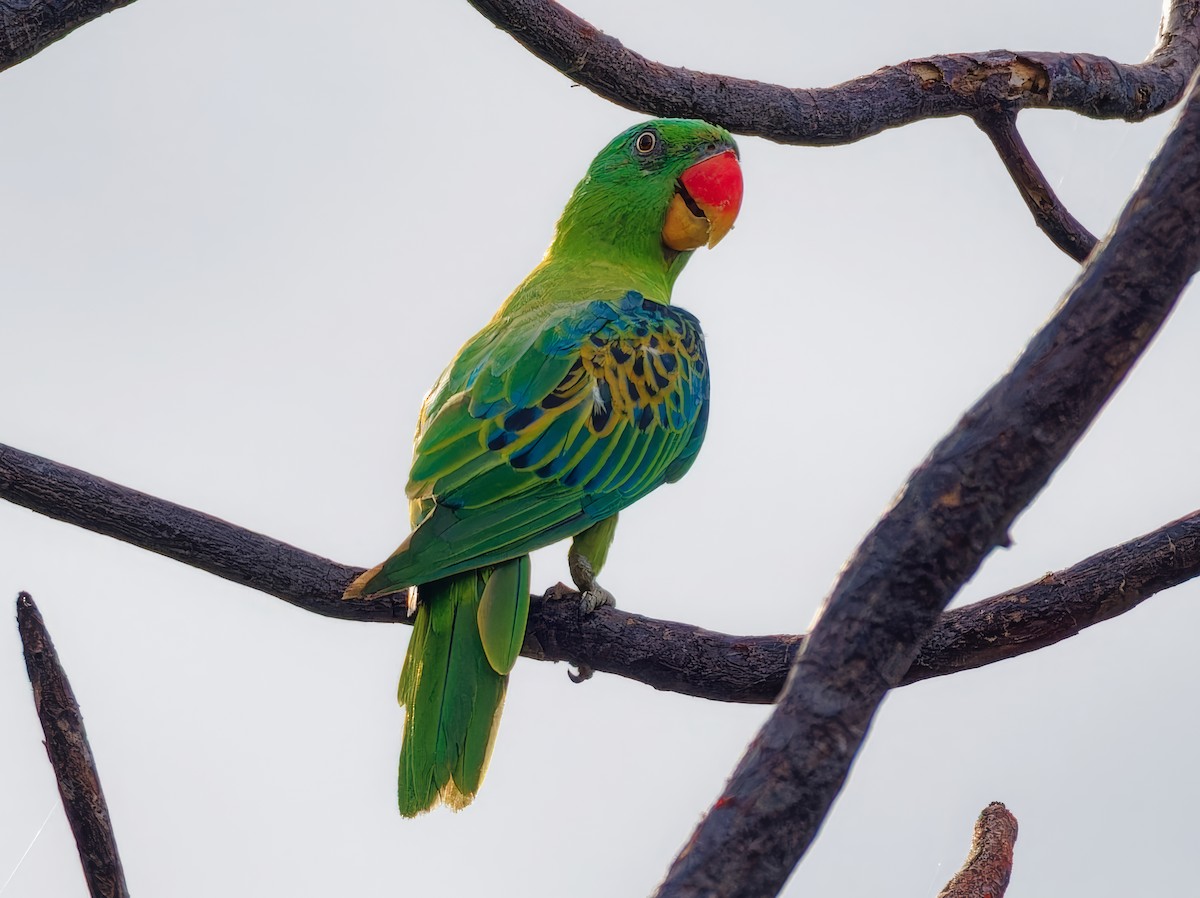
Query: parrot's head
(658, 191)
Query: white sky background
(239, 242)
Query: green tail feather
(451, 693)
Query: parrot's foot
(592, 594)
(596, 597)
(557, 592)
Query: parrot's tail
(466, 638)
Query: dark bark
(954, 509)
(192, 537)
(669, 656)
(987, 869)
(71, 757)
(1048, 211)
(691, 660)
(29, 26)
(1061, 604)
(894, 95)
(957, 84)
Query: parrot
(585, 391)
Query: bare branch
(1062, 604)
(957, 84)
(1048, 211)
(71, 757)
(987, 869)
(669, 656)
(954, 509)
(954, 84)
(195, 538)
(682, 658)
(29, 26)
(989, 87)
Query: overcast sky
(240, 241)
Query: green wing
(520, 449)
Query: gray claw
(592, 594)
(596, 597)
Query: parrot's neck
(568, 277)
(578, 268)
(602, 249)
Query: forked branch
(938, 86)
(989, 87)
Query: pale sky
(240, 242)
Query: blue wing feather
(521, 447)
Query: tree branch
(987, 869)
(666, 655)
(27, 27)
(192, 537)
(954, 509)
(1061, 604)
(682, 658)
(71, 757)
(1048, 211)
(956, 84)
(989, 87)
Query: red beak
(707, 199)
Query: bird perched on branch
(586, 391)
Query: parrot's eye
(645, 142)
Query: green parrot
(586, 391)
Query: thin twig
(988, 867)
(1048, 211)
(71, 757)
(954, 509)
(666, 655)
